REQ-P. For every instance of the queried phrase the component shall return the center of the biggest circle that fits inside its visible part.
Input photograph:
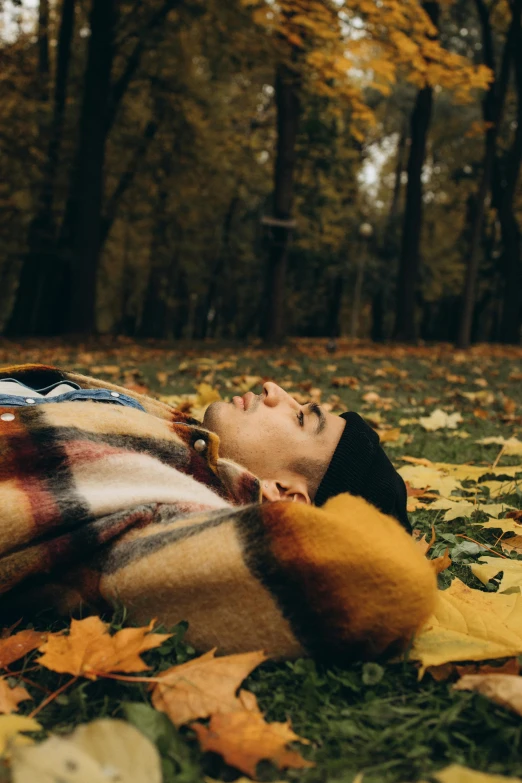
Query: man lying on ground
(109, 497)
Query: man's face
(268, 433)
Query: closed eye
(300, 418)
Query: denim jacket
(28, 397)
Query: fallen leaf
(11, 697)
(513, 544)
(422, 476)
(470, 625)
(457, 774)
(243, 383)
(106, 369)
(346, 381)
(480, 413)
(389, 436)
(439, 419)
(441, 563)
(89, 649)
(422, 542)
(11, 728)
(482, 397)
(103, 751)
(418, 461)
(203, 686)
(512, 572)
(503, 689)
(512, 446)
(506, 525)
(14, 647)
(244, 739)
(206, 394)
(465, 508)
(445, 670)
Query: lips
(239, 402)
(247, 400)
(244, 402)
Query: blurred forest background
(244, 168)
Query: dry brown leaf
(422, 541)
(89, 649)
(445, 670)
(441, 563)
(511, 666)
(14, 647)
(244, 739)
(11, 697)
(345, 381)
(513, 544)
(203, 686)
(503, 689)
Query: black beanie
(360, 466)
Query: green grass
(374, 718)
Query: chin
(213, 417)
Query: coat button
(30, 401)
(200, 445)
(115, 394)
(7, 416)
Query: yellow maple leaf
(470, 625)
(457, 774)
(11, 697)
(11, 727)
(90, 650)
(490, 567)
(203, 686)
(95, 752)
(244, 739)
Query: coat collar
(240, 486)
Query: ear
(289, 488)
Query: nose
(274, 395)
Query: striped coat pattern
(104, 505)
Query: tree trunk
(511, 306)
(90, 158)
(43, 48)
(288, 110)
(217, 271)
(37, 305)
(357, 291)
(126, 180)
(410, 250)
(492, 110)
(387, 250)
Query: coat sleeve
(341, 582)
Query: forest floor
(380, 721)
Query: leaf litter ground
(378, 719)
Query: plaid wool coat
(104, 505)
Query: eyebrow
(313, 407)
